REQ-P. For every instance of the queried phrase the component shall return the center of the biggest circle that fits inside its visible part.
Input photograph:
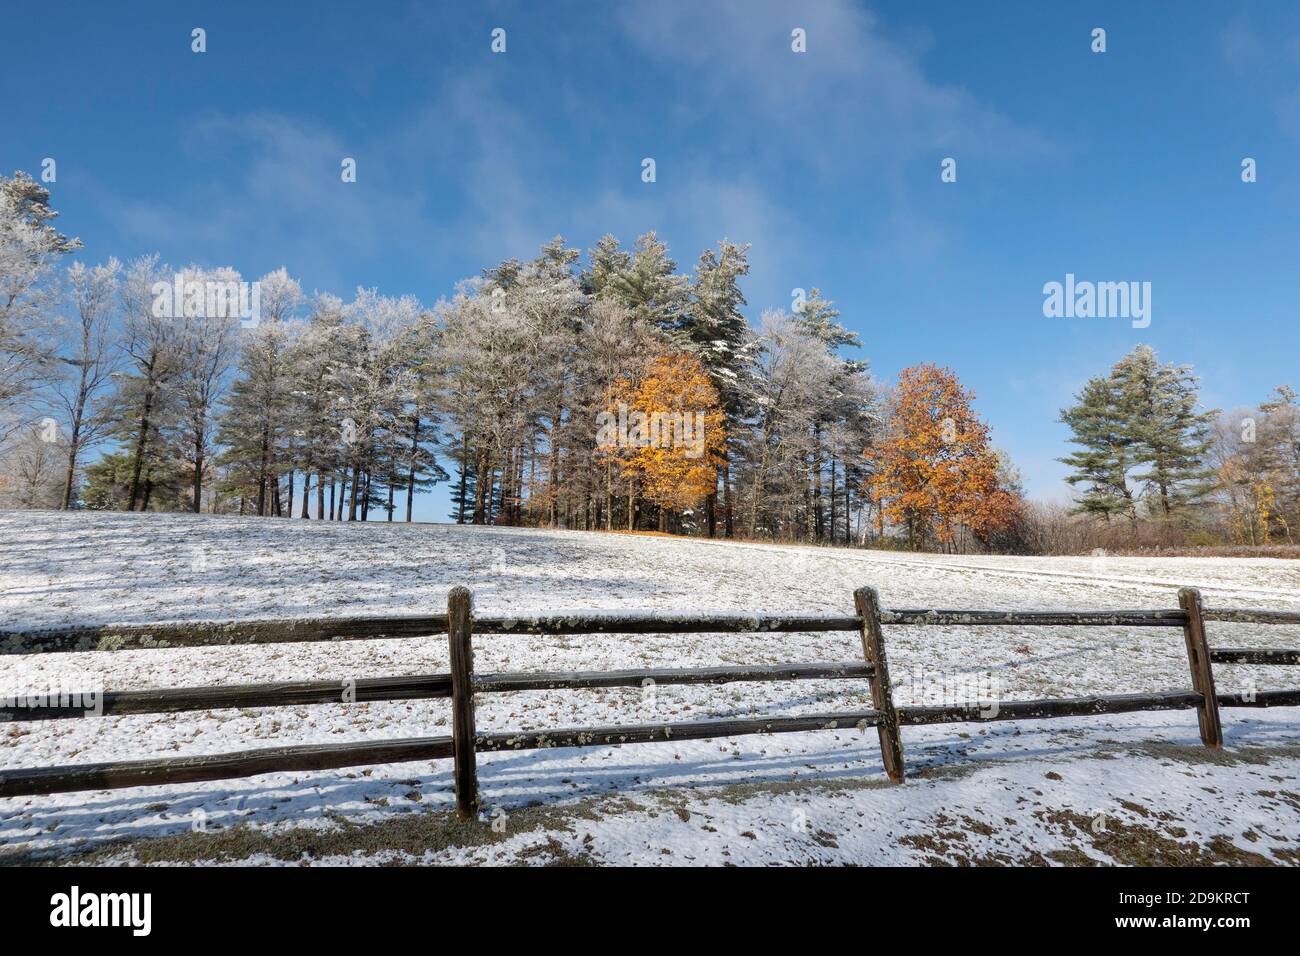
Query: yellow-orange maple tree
(668, 432)
(934, 471)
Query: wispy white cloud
(288, 205)
(1271, 61)
(471, 175)
(855, 86)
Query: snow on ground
(1129, 788)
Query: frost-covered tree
(717, 331)
(488, 352)
(646, 282)
(31, 467)
(207, 348)
(1172, 434)
(254, 427)
(616, 346)
(1256, 458)
(1278, 433)
(1143, 441)
(315, 420)
(788, 386)
(1106, 456)
(844, 417)
(29, 247)
(143, 407)
(378, 387)
(88, 357)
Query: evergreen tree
(463, 490)
(1171, 437)
(1142, 439)
(646, 283)
(717, 331)
(316, 422)
(817, 317)
(608, 264)
(254, 429)
(1099, 424)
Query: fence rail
(117, 637)
(461, 684)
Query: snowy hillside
(1008, 791)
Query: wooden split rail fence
(462, 684)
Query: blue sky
(1116, 166)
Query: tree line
(1154, 466)
(517, 390)
(607, 390)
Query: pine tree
(1099, 423)
(646, 283)
(717, 331)
(817, 316)
(316, 423)
(1171, 436)
(463, 491)
(1141, 425)
(608, 265)
(255, 426)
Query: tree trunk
(73, 441)
(306, 487)
(729, 527)
(819, 519)
(482, 488)
(352, 492)
(410, 474)
(140, 443)
(198, 467)
(830, 534)
(261, 473)
(464, 479)
(555, 462)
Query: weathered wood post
(1198, 658)
(460, 636)
(882, 692)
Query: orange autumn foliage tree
(666, 429)
(934, 471)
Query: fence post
(1198, 658)
(460, 617)
(882, 692)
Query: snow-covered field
(1130, 789)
